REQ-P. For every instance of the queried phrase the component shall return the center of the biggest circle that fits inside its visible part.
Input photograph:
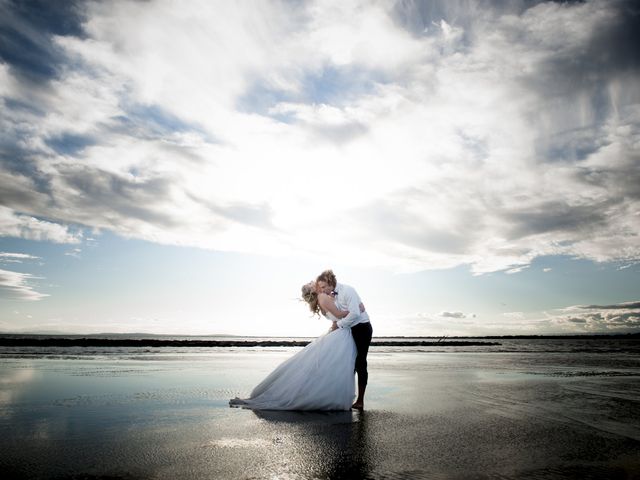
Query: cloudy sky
(470, 167)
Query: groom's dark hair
(329, 277)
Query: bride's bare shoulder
(323, 298)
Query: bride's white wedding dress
(318, 377)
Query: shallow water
(550, 413)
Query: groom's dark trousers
(362, 333)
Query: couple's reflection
(327, 444)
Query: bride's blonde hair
(310, 296)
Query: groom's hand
(334, 326)
(362, 309)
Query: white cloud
(517, 269)
(75, 253)
(379, 135)
(17, 256)
(615, 318)
(15, 285)
(25, 226)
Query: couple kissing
(321, 376)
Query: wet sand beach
(163, 414)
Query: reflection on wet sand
(331, 445)
(12, 383)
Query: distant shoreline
(139, 340)
(160, 336)
(149, 342)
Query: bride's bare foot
(358, 406)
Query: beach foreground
(164, 414)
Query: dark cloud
(571, 145)
(621, 180)
(610, 50)
(28, 140)
(26, 30)
(17, 126)
(19, 161)
(93, 194)
(617, 306)
(614, 48)
(574, 80)
(22, 193)
(555, 216)
(19, 107)
(579, 321)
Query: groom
(347, 299)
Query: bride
(318, 377)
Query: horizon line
(494, 336)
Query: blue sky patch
(331, 85)
(26, 28)
(70, 144)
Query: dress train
(318, 377)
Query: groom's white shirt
(348, 299)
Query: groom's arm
(353, 306)
(344, 313)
